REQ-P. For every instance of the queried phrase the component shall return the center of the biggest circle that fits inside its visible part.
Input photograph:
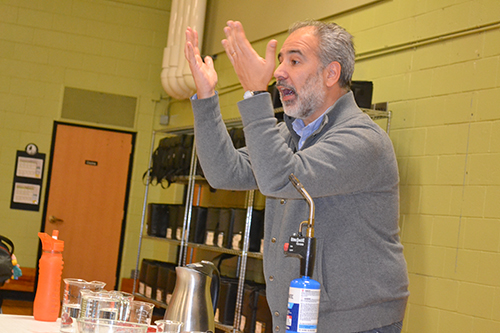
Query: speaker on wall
(363, 91)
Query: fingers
(189, 53)
(188, 47)
(253, 71)
(192, 38)
(229, 50)
(189, 35)
(236, 41)
(271, 52)
(239, 34)
(191, 50)
(230, 37)
(228, 43)
(209, 62)
(195, 39)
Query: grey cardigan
(349, 168)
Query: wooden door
(86, 199)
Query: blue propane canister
(303, 305)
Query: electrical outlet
(164, 120)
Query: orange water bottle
(47, 299)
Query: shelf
(257, 255)
(225, 328)
(162, 239)
(249, 254)
(236, 122)
(150, 300)
(185, 179)
(376, 114)
(232, 122)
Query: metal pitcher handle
(214, 285)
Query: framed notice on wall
(27, 184)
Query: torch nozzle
(299, 187)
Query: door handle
(53, 219)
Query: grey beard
(309, 100)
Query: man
(343, 159)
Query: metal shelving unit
(190, 182)
(256, 255)
(378, 114)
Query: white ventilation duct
(176, 77)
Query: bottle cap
(51, 244)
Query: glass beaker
(126, 299)
(100, 304)
(141, 312)
(72, 299)
(168, 326)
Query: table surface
(27, 324)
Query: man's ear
(332, 73)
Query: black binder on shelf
(198, 226)
(158, 219)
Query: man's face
(299, 77)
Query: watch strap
(250, 93)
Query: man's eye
(294, 62)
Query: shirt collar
(304, 131)
(299, 126)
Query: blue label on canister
(303, 306)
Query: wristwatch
(250, 93)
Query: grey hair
(335, 44)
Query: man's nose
(280, 72)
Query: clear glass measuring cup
(141, 312)
(72, 300)
(168, 326)
(101, 304)
(125, 306)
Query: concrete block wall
(444, 97)
(107, 46)
(437, 65)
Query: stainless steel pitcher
(194, 298)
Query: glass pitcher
(72, 300)
(112, 305)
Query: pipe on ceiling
(176, 77)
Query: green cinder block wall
(113, 47)
(435, 62)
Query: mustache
(283, 84)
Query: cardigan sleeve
(224, 166)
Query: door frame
(125, 203)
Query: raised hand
(254, 72)
(204, 74)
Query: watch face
(247, 94)
(31, 149)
